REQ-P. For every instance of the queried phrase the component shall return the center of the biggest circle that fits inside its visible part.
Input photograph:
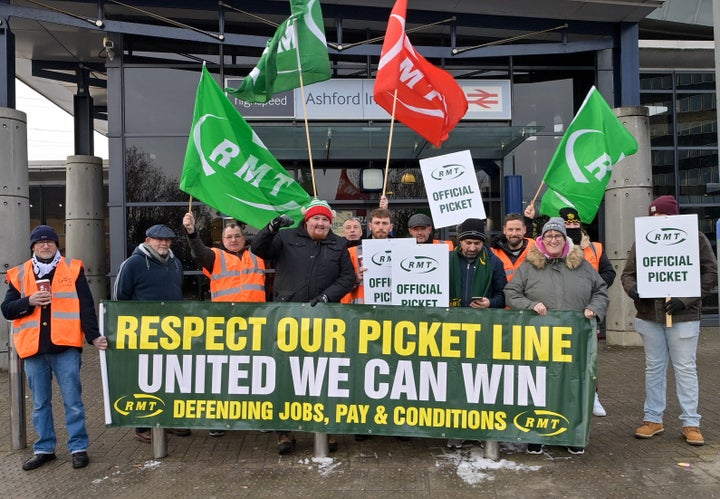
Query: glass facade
(684, 146)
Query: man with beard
(311, 265)
(151, 273)
(512, 247)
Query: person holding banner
(51, 322)
(676, 343)
(477, 278)
(556, 276)
(151, 273)
(236, 275)
(312, 265)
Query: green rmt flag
(229, 168)
(299, 46)
(580, 169)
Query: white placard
(667, 256)
(376, 279)
(420, 275)
(452, 188)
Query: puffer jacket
(305, 268)
(653, 309)
(569, 283)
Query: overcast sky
(49, 128)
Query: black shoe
(80, 459)
(37, 460)
(577, 451)
(332, 444)
(216, 433)
(285, 443)
(534, 449)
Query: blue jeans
(39, 370)
(678, 344)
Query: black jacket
(304, 268)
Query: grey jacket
(569, 283)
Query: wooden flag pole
(305, 117)
(190, 204)
(542, 184)
(668, 317)
(387, 160)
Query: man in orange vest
(53, 313)
(594, 254)
(512, 247)
(236, 275)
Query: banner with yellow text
(480, 374)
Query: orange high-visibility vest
(593, 252)
(508, 265)
(357, 295)
(65, 328)
(237, 279)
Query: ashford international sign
(348, 369)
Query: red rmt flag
(428, 99)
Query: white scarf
(42, 268)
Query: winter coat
(143, 277)
(569, 283)
(482, 276)
(306, 268)
(653, 309)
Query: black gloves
(318, 299)
(278, 223)
(633, 293)
(674, 306)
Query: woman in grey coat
(556, 276)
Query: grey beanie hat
(555, 223)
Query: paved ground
(245, 464)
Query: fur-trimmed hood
(538, 260)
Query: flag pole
(387, 160)
(190, 204)
(542, 184)
(302, 96)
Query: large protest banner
(347, 369)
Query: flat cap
(419, 220)
(160, 231)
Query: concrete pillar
(85, 221)
(628, 195)
(14, 249)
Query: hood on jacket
(537, 259)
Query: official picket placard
(452, 188)
(486, 374)
(377, 276)
(420, 275)
(667, 256)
